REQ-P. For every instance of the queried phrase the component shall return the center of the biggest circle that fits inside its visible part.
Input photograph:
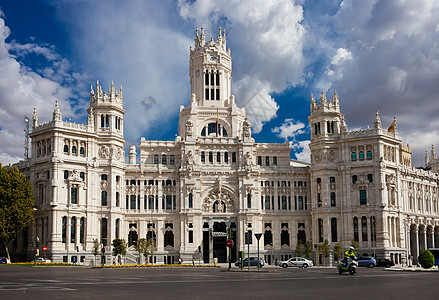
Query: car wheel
(284, 265)
(371, 265)
(305, 266)
(388, 266)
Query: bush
(426, 259)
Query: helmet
(351, 248)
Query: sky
(378, 54)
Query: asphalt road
(19, 282)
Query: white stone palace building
(214, 176)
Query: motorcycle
(348, 265)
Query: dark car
(253, 262)
(383, 262)
(367, 261)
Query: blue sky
(378, 54)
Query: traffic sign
(229, 243)
(44, 248)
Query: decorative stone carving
(74, 176)
(104, 152)
(246, 128)
(218, 202)
(331, 155)
(104, 185)
(189, 127)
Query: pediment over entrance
(218, 202)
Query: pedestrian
(179, 261)
(193, 262)
(114, 261)
(275, 262)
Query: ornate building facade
(214, 180)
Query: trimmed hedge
(426, 259)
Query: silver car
(296, 262)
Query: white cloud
(301, 150)
(22, 89)
(289, 129)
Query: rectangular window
(190, 200)
(217, 79)
(319, 200)
(191, 237)
(354, 156)
(300, 202)
(361, 155)
(284, 202)
(104, 231)
(217, 94)
(364, 229)
(334, 230)
(356, 238)
(333, 199)
(168, 202)
(74, 195)
(363, 197)
(370, 177)
(104, 198)
(133, 201)
(249, 201)
(206, 92)
(212, 94)
(267, 202)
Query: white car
(42, 260)
(296, 262)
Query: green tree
(337, 251)
(324, 250)
(426, 259)
(308, 250)
(119, 247)
(299, 248)
(16, 204)
(141, 247)
(95, 248)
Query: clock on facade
(212, 57)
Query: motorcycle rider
(350, 253)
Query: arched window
(102, 121)
(226, 157)
(203, 157)
(274, 160)
(156, 159)
(164, 159)
(169, 238)
(369, 154)
(82, 151)
(285, 237)
(66, 149)
(267, 160)
(172, 160)
(190, 200)
(259, 160)
(74, 150)
(218, 157)
(104, 177)
(268, 236)
(210, 157)
(233, 157)
(361, 155)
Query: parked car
(3, 260)
(42, 260)
(383, 262)
(296, 262)
(367, 261)
(253, 262)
